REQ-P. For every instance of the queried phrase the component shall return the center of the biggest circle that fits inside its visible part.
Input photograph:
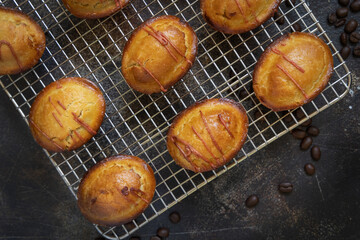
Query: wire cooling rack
(137, 124)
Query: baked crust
(66, 114)
(292, 71)
(158, 54)
(237, 16)
(94, 8)
(22, 42)
(116, 190)
(208, 134)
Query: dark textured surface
(36, 204)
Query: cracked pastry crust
(237, 16)
(208, 134)
(66, 114)
(22, 41)
(158, 54)
(94, 8)
(292, 71)
(116, 190)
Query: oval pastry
(158, 54)
(237, 16)
(66, 114)
(94, 8)
(208, 134)
(22, 42)
(292, 71)
(116, 190)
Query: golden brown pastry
(66, 114)
(22, 42)
(292, 71)
(158, 54)
(208, 134)
(116, 190)
(237, 16)
(94, 8)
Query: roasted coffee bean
(299, 114)
(309, 169)
(315, 153)
(279, 18)
(345, 52)
(298, 133)
(297, 27)
(288, 119)
(344, 39)
(342, 12)
(344, 2)
(285, 187)
(258, 115)
(356, 51)
(243, 93)
(135, 238)
(332, 18)
(306, 143)
(163, 232)
(355, 37)
(340, 22)
(155, 238)
(288, 3)
(307, 123)
(251, 201)
(313, 131)
(174, 217)
(355, 6)
(351, 26)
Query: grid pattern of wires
(137, 124)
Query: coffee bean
(243, 94)
(135, 238)
(307, 123)
(299, 114)
(355, 6)
(129, 226)
(298, 133)
(313, 131)
(342, 12)
(355, 37)
(174, 217)
(332, 18)
(258, 115)
(306, 143)
(251, 201)
(340, 22)
(309, 169)
(155, 238)
(315, 153)
(345, 52)
(351, 26)
(344, 39)
(289, 2)
(356, 51)
(279, 18)
(297, 27)
(344, 2)
(285, 187)
(163, 232)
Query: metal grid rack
(137, 124)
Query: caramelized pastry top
(22, 42)
(208, 134)
(237, 16)
(116, 190)
(94, 8)
(292, 71)
(66, 114)
(158, 54)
